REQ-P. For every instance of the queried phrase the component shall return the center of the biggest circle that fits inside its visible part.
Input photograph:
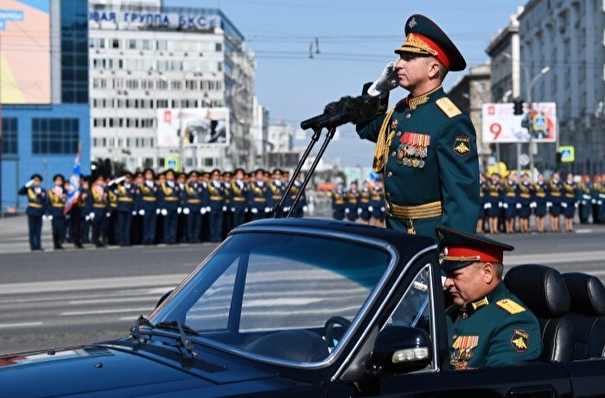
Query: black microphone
(347, 109)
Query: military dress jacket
(431, 161)
(498, 330)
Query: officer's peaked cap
(460, 249)
(424, 37)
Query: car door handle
(545, 391)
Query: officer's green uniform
(426, 150)
(500, 331)
(495, 330)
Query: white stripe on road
(554, 258)
(153, 299)
(91, 284)
(19, 325)
(108, 311)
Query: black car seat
(543, 290)
(587, 314)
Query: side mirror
(400, 349)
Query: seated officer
(487, 325)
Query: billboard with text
(500, 125)
(193, 127)
(25, 52)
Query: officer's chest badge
(462, 146)
(520, 340)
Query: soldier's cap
(169, 171)
(277, 172)
(36, 175)
(148, 169)
(193, 173)
(59, 175)
(239, 170)
(424, 37)
(259, 170)
(227, 174)
(126, 173)
(215, 172)
(460, 249)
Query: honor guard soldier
(555, 191)
(300, 207)
(277, 188)
(509, 202)
(525, 200)
(195, 200)
(240, 191)
(85, 221)
(112, 215)
(377, 204)
(181, 235)
(483, 195)
(494, 203)
(569, 201)
(585, 196)
(36, 209)
(147, 205)
(338, 201)
(228, 208)
(260, 196)
(216, 192)
(169, 202)
(352, 202)
(598, 199)
(98, 215)
(540, 202)
(57, 197)
(126, 194)
(425, 145)
(364, 203)
(487, 325)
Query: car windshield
(278, 296)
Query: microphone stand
(277, 209)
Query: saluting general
(425, 145)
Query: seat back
(587, 314)
(543, 290)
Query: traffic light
(518, 106)
(558, 158)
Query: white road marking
(19, 325)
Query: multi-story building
(156, 76)
(43, 94)
(565, 37)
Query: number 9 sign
(495, 128)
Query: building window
(9, 136)
(55, 136)
(115, 43)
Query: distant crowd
(148, 208)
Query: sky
(352, 42)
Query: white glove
(382, 208)
(518, 205)
(599, 202)
(287, 208)
(267, 210)
(505, 205)
(45, 217)
(254, 211)
(164, 212)
(305, 208)
(157, 211)
(575, 204)
(370, 209)
(203, 210)
(594, 201)
(87, 218)
(499, 204)
(246, 210)
(92, 216)
(29, 183)
(233, 210)
(564, 205)
(186, 210)
(487, 206)
(179, 210)
(141, 212)
(533, 205)
(208, 209)
(108, 214)
(134, 212)
(224, 208)
(386, 82)
(548, 204)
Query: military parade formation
(143, 208)
(506, 200)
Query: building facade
(146, 61)
(43, 95)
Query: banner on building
(193, 127)
(24, 52)
(500, 125)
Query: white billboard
(500, 125)
(194, 127)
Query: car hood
(123, 369)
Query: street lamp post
(530, 127)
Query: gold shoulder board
(510, 306)
(448, 107)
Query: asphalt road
(61, 298)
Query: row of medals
(412, 154)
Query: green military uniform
(494, 330)
(497, 330)
(426, 149)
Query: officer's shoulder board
(448, 107)
(510, 306)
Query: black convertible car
(321, 308)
